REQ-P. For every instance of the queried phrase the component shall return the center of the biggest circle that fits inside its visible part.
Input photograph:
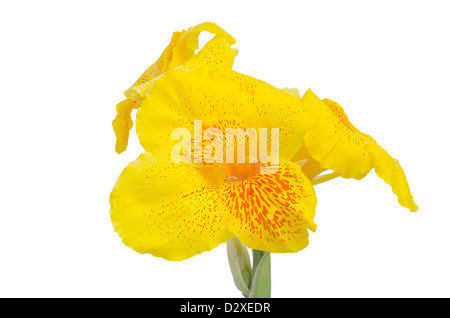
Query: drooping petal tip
(336, 144)
(390, 170)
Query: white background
(64, 66)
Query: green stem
(257, 254)
(260, 286)
(253, 281)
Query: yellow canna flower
(206, 176)
(216, 55)
(334, 143)
(176, 211)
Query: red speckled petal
(270, 212)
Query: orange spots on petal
(266, 211)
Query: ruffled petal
(216, 55)
(293, 92)
(167, 209)
(270, 212)
(180, 50)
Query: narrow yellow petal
(324, 178)
(123, 122)
(168, 210)
(162, 64)
(389, 169)
(312, 168)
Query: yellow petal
(180, 50)
(187, 45)
(270, 212)
(389, 169)
(225, 100)
(333, 141)
(166, 209)
(162, 64)
(216, 55)
(122, 124)
(336, 144)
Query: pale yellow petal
(336, 144)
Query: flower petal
(187, 45)
(167, 209)
(270, 212)
(389, 169)
(180, 49)
(123, 123)
(216, 55)
(221, 100)
(335, 143)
